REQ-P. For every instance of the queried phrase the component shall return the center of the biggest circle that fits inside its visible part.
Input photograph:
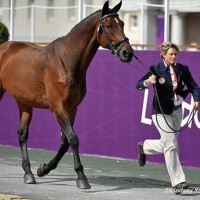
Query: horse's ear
(117, 7)
(105, 8)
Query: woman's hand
(196, 105)
(150, 80)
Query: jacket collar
(164, 65)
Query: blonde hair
(166, 46)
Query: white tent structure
(80, 17)
(156, 20)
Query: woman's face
(170, 56)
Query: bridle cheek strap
(113, 47)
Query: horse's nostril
(128, 54)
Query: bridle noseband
(113, 47)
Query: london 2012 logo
(187, 108)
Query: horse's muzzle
(126, 55)
(123, 50)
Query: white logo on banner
(187, 108)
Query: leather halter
(113, 47)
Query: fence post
(80, 10)
(166, 35)
(11, 20)
(32, 21)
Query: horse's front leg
(73, 141)
(23, 132)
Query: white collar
(166, 65)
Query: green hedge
(4, 33)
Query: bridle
(113, 47)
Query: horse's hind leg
(46, 168)
(23, 132)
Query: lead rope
(191, 116)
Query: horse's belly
(36, 102)
(33, 95)
(28, 88)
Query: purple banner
(114, 116)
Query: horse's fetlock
(52, 166)
(78, 169)
(26, 165)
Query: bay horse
(54, 77)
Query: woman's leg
(170, 145)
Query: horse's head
(111, 34)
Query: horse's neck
(81, 43)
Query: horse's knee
(74, 141)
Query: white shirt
(178, 101)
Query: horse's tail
(4, 37)
(1, 86)
(2, 90)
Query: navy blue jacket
(164, 86)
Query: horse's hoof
(43, 170)
(29, 179)
(83, 184)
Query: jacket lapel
(165, 73)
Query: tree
(4, 33)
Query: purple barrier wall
(113, 117)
